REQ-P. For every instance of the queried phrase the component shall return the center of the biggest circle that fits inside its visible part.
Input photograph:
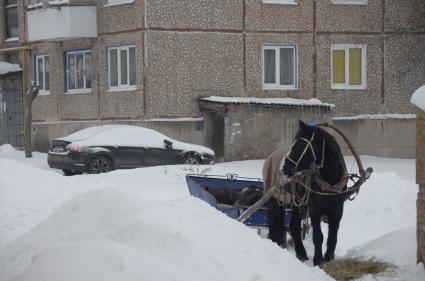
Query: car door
(129, 157)
(161, 156)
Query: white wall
(68, 21)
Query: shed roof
(267, 101)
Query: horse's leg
(275, 220)
(315, 217)
(334, 220)
(295, 228)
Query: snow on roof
(6, 67)
(269, 101)
(177, 119)
(418, 98)
(376, 117)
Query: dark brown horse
(313, 150)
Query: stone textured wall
(121, 104)
(420, 179)
(184, 65)
(189, 14)
(349, 18)
(351, 102)
(120, 18)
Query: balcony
(61, 19)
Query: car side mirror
(168, 144)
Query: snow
(376, 116)
(142, 224)
(177, 119)
(418, 98)
(6, 67)
(276, 101)
(127, 135)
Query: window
(42, 73)
(118, 2)
(122, 67)
(280, 67)
(285, 2)
(348, 66)
(349, 2)
(78, 71)
(11, 16)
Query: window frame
(120, 87)
(42, 91)
(277, 85)
(83, 90)
(349, 2)
(6, 7)
(281, 2)
(346, 48)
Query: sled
(198, 185)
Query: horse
(315, 150)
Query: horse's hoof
(329, 257)
(302, 258)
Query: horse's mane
(337, 164)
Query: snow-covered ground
(142, 224)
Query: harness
(283, 184)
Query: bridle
(308, 146)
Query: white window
(348, 65)
(283, 2)
(349, 2)
(280, 70)
(122, 68)
(78, 69)
(42, 73)
(118, 2)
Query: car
(104, 148)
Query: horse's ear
(302, 124)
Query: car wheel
(67, 172)
(100, 164)
(192, 160)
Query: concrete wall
(420, 179)
(381, 137)
(253, 131)
(44, 132)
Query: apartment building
(149, 62)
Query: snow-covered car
(104, 148)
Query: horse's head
(307, 150)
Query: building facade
(135, 61)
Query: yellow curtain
(355, 66)
(338, 66)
